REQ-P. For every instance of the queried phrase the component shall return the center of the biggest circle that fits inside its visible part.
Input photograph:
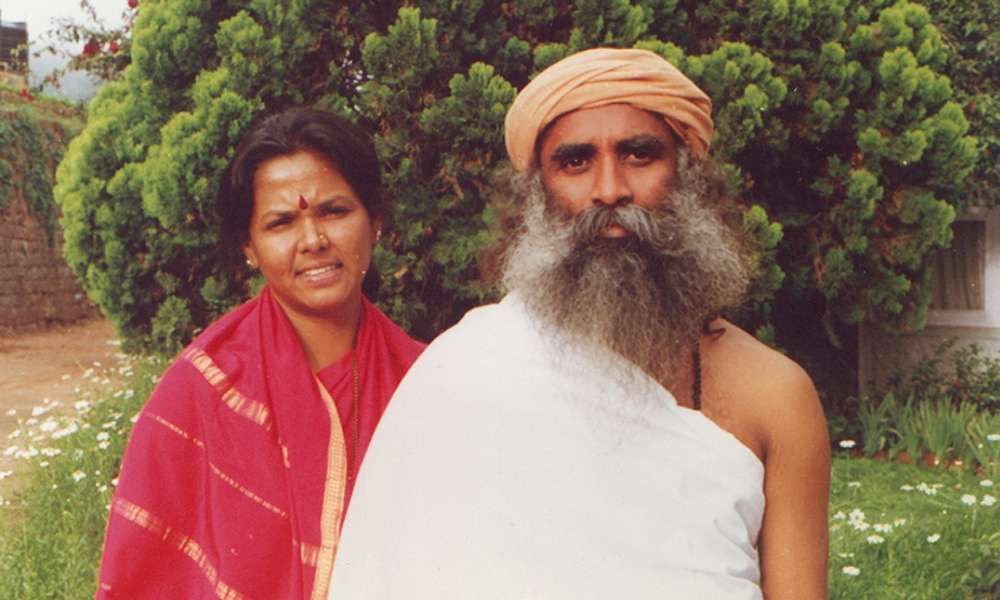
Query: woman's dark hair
(292, 130)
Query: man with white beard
(601, 432)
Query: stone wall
(37, 288)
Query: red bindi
(303, 204)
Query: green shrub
(31, 145)
(833, 119)
(874, 418)
(942, 428)
(908, 431)
(983, 442)
(957, 375)
(969, 29)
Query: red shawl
(237, 474)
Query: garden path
(33, 367)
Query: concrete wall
(37, 288)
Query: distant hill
(75, 86)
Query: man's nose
(611, 186)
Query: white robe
(511, 466)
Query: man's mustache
(654, 228)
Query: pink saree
(240, 467)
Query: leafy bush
(875, 421)
(955, 375)
(969, 30)
(946, 404)
(983, 442)
(31, 145)
(834, 119)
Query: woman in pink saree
(241, 465)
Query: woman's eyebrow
(326, 202)
(277, 212)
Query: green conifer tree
(834, 120)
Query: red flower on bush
(91, 47)
(25, 94)
(113, 46)
(133, 3)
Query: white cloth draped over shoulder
(510, 465)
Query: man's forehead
(606, 124)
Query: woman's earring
(251, 264)
(378, 235)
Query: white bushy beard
(647, 296)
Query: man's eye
(641, 156)
(574, 163)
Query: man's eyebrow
(645, 143)
(567, 152)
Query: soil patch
(44, 365)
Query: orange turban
(603, 76)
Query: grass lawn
(896, 531)
(903, 531)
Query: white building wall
(880, 354)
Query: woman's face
(309, 234)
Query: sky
(38, 14)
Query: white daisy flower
(933, 538)
(968, 500)
(851, 571)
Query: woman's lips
(322, 275)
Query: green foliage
(835, 120)
(31, 145)
(969, 31)
(952, 374)
(874, 419)
(946, 405)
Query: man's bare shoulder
(763, 392)
(739, 357)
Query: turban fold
(603, 76)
